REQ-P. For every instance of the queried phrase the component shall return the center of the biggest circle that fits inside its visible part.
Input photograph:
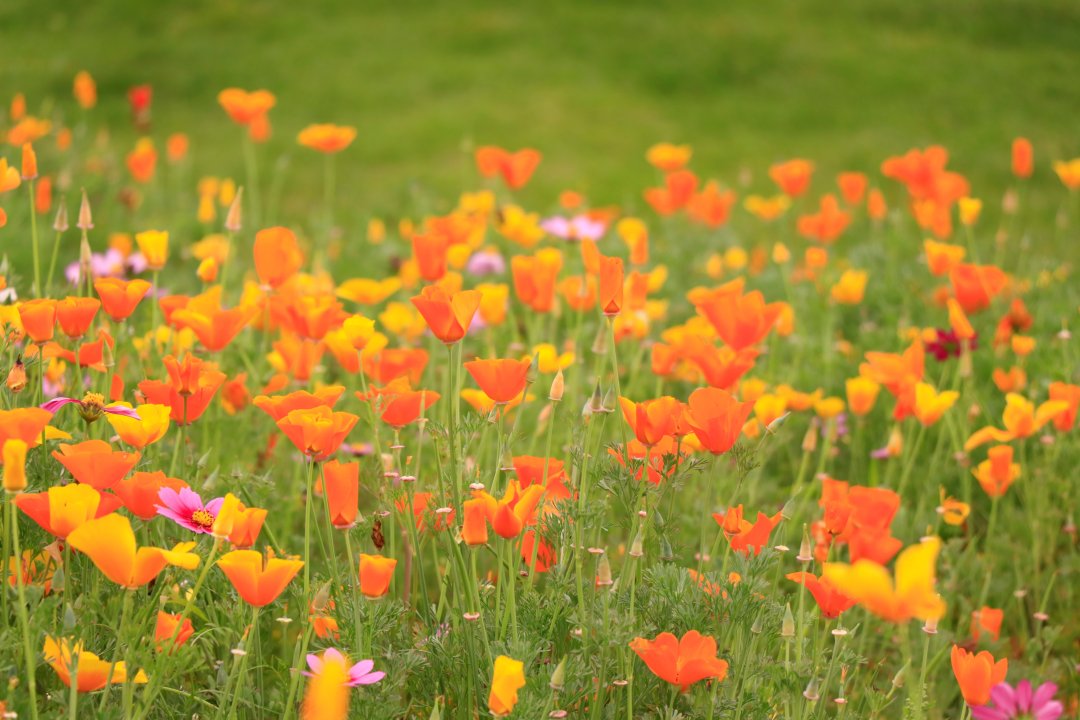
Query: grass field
(591, 84)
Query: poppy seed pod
(60, 222)
(86, 218)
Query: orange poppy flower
(165, 630)
(342, 487)
(741, 320)
(998, 472)
(977, 674)
(910, 595)
(277, 256)
(244, 106)
(792, 176)
(91, 671)
(189, 390)
(398, 404)
(535, 278)
(85, 90)
(95, 463)
(529, 470)
(327, 138)
(501, 380)
(716, 418)
(448, 315)
(712, 206)
(392, 363)
(611, 285)
(876, 209)
(1023, 158)
(1068, 171)
(110, 543)
(1021, 419)
(246, 526)
(215, 329)
(862, 393)
(38, 319)
(721, 366)
(899, 373)
(515, 167)
(62, 509)
(852, 186)
(681, 662)
(986, 620)
(653, 460)
(26, 424)
(651, 420)
(1070, 395)
(139, 493)
(743, 535)
(119, 298)
(278, 406)
(975, 286)
(154, 245)
(317, 432)
(827, 224)
(678, 191)
(258, 580)
(829, 600)
(429, 252)
(668, 156)
(474, 528)
(376, 572)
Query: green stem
(34, 239)
(24, 622)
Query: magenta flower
(1020, 703)
(186, 509)
(90, 407)
(359, 674)
(486, 262)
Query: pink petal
(57, 403)
(1004, 698)
(214, 506)
(361, 669)
(314, 662)
(1045, 692)
(124, 411)
(370, 679)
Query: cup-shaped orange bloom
(154, 245)
(741, 321)
(392, 363)
(191, 386)
(26, 424)
(376, 572)
(535, 278)
(278, 406)
(1021, 419)
(911, 595)
(986, 620)
(850, 288)
(216, 328)
(507, 678)
(246, 526)
(852, 186)
(342, 487)
(448, 315)
(677, 192)
(119, 298)
(721, 366)
(668, 156)
(1023, 158)
(862, 393)
(998, 471)
(258, 580)
(245, 106)
(515, 167)
(317, 432)
(277, 256)
(501, 380)
(85, 90)
(63, 509)
(95, 463)
(930, 404)
(941, 258)
(710, 207)
(830, 601)
(398, 404)
(977, 674)
(651, 420)
(681, 662)
(38, 319)
(75, 314)
(474, 529)
(92, 672)
(746, 536)
(327, 137)
(312, 316)
(716, 418)
(611, 285)
(139, 493)
(430, 251)
(110, 543)
(1070, 395)
(166, 627)
(975, 286)
(792, 176)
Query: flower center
(203, 518)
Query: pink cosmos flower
(581, 227)
(186, 509)
(1020, 702)
(359, 674)
(89, 406)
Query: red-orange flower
(611, 285)
(397, 404)
(448, 315)
(977, 674)
(326, 137)
(95, 463)
(119, 298)
(317, 432)
(515, 167)
(139, 493)
(63, 508)
(741, 320)
(792, 176)
(501, 380)
(975, 286)
(1023, 158)
(75, 314)
(830, 601)
(277, 255)
(217, 328)
(681, 662)
(342, 488)
(278, 406)
(258, 581)
(743, 535)
(189, 390)
(651, 420)
(38, 319)
(678, 191)
(244, 106)
(716, 418)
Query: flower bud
(14, 453)
(234, 219)
(16, 379)
(321, 602)
(787, 626)
(898, 678)
(806, 554)
(558, 678)
(603, 571)
(29, 162)
(636, 547)
(60, 222)
(558, 386)
(86, 219)
(809, 441)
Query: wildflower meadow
(760, 442)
